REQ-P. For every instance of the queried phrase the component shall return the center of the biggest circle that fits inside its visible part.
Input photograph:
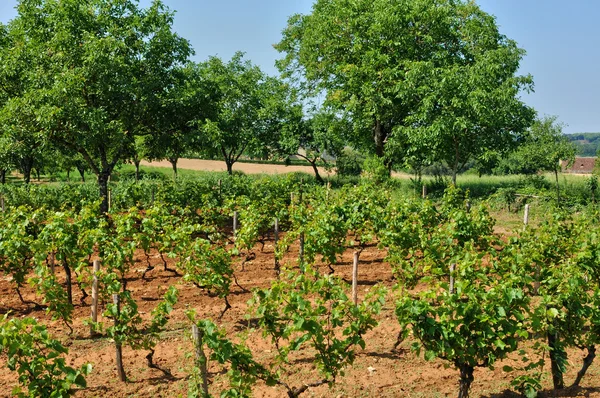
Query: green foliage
(208, 266)
(543, 148)
(202, 193)
(424, 239)
(591, 183)
(553, 264)
(481, 322)
(375, 170)
(257, 218)
(315, 140)
(161, 224)
(52, 197)
(349, 163)
(247, 109)
(145, 175)
(128, 326)
(322, 220)
(39, 360)
(7, 162)
(312, 310)
(175, 132)
(540, 285)
(331, 221)
(110, 82)
(303, 310)
(507, 197)
(452, 92)
(70, 238)
(364, 208)
(18, 233)
(244, 369)
(586, 144)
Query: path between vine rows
(377, 372)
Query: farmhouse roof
(581, 165)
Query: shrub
(375, 170)
(350, 163)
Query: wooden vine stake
(536, 283)
(452, 269)
(120, 370)
(201, 360)
(52, 262)
(95, 298)
(235, 223)
(526, 217)
(152, 196)
(2, 204)
(424, 194)
(355, 279)
(275, 241)
(109, 200)
(301, 249)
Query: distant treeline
(587, 144)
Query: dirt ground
(378, 371)
(248, 168)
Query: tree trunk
(3, 176)
(379, 137)
(81, 170)
(555, 353)
(173, 162)
(27, 176)
(466, 378)
(317, 175)
(454, 172)
(137, 170)
(557, 188)
(103, 185)
(229, 167)
(27, 166)
(37, 174)
(68, 175)
(587, 362)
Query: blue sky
(562, 40)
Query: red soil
(378, 370)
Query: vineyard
(278, 287)
(345, 282)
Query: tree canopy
(421, 74)
(542, 149)
(248, 111)
(316, 138)
(93, 72)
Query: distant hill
(587, 144)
